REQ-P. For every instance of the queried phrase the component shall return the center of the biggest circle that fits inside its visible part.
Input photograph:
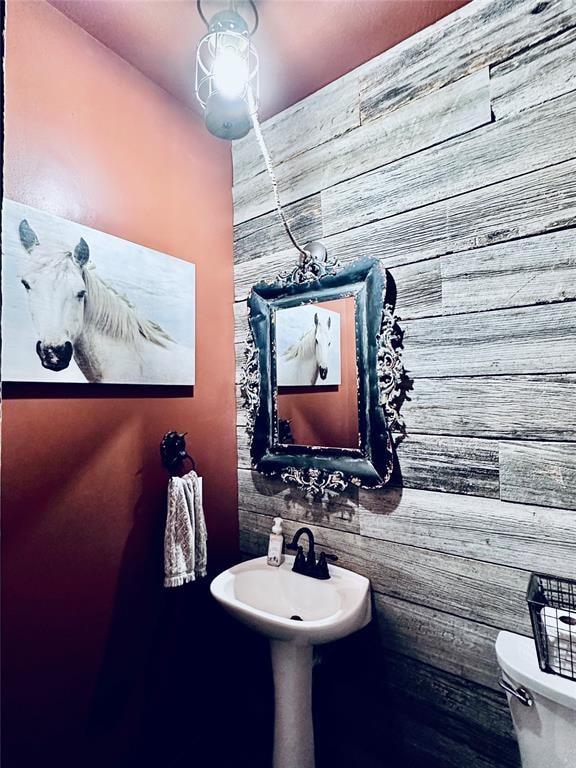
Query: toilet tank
(546, 730)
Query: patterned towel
(185, 538)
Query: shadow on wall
(209, 698)
(39, 391)
(122, 679)
(343, 505)
(351, 698)
(180, 682)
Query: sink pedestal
(264, 597)
(293, 730)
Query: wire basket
(552, 603)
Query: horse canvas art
(308, 346)
(80, 305)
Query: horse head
(323, 341)
(56, 296)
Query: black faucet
(307, 566)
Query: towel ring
(173, 451)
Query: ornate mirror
(322, 379)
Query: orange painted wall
(89, 138)
(327, 416)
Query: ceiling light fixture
(227, 72)
(227, 89)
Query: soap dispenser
(276, 544)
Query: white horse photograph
(80, 305)
(307, 346)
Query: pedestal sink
(295, 612)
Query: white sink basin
(266, 597)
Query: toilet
(543, 705)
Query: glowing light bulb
(230, 73)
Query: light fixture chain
(271, 173)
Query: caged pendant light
(227, 88)
(227, 72)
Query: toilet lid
(517, 658)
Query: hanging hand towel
(185, 538)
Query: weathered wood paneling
(475, 707)
(539, 74)
(492, 594)
(529, 141)
(258, 269)
(519, 273)
(484, 32)
(539, 473)
(444, 746)
(459, 108)
(472, 715)
(451, 464)
(491, 407)
(521, 407)
(241, 415)
(529, 205)
(418, 286)
(328, 113)
(239, 361)
(266, 234)
(435, 462)
(448, 642)
(243, 443)
(536, 340)
(240, 321)
(519, 535)
(419, 289)
(474, 216)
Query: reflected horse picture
(122, 315)
(308, 346)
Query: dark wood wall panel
(479, 709)
(450, 158)
(443, 640)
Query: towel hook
(173, 451)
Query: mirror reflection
(316, 374)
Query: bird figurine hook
(173, 451)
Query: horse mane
(115, 316)
(295, 350)
(292, 352)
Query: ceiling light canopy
(227, 72)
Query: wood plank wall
(452, 158)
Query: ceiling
(303, 44)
